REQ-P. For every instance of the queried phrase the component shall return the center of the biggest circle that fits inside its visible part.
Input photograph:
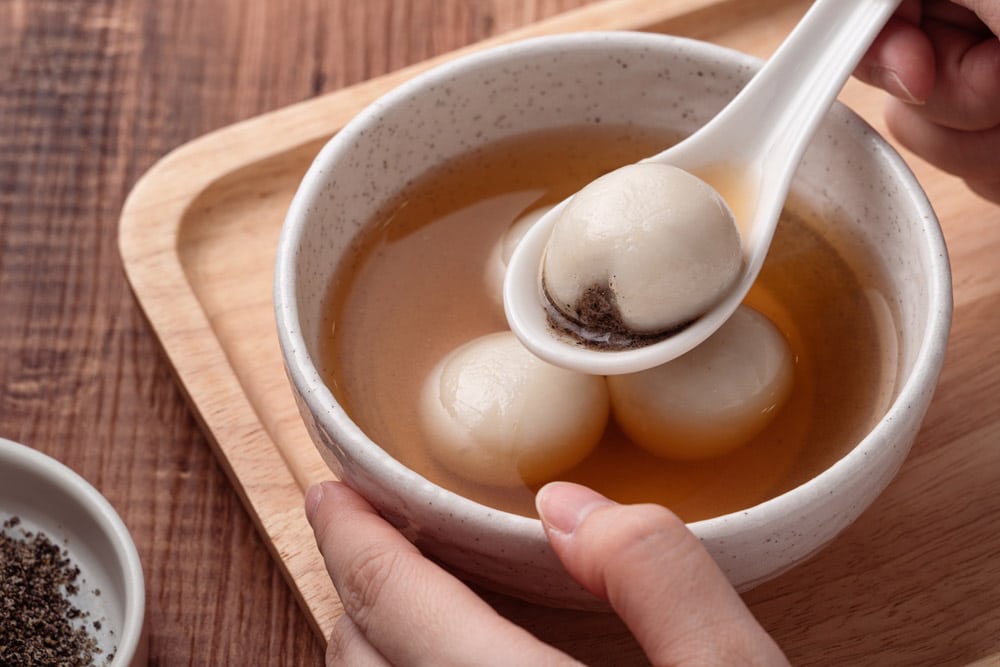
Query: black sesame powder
(39, 624)
(595, 321)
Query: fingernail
(563, 506)
(314, 496)
(889, 81)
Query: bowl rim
(16, 457)
(320, 401)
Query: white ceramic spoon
(755, 143)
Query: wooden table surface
(92, 93)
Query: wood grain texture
(92, 93)
(915, 581)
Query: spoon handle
(748, 152)
(775, 115)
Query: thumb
(900, 61)
(656, 575)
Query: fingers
(981, 16)
(349, 646)
(405, 608)
(656, 575)
(943, 56)
(900, 61)
(972, 156)
(966, 91)
(941, 60)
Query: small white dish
(48, 497)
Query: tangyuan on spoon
(749, 153)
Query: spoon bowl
(748, 152)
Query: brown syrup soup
(415, 289)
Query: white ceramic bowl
(48, 497)
(648, 80)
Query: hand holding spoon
(761, 136)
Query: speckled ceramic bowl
(615, 78)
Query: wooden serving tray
(915, 581)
